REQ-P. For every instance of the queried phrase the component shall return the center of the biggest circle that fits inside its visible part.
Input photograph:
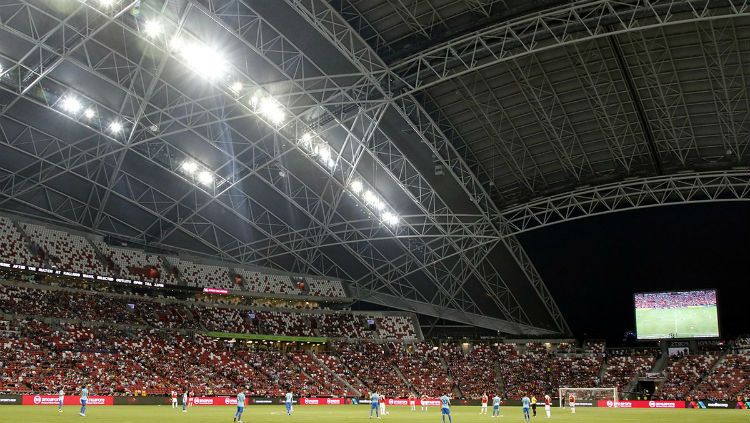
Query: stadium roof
(400, 145)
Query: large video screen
(684, 314)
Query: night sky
(593, 266)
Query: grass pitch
(684, 322)
(347, 414)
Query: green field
(345, 414)
(685, 322)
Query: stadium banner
(258, 337)
(10, 400)
(68, 400)
(208, 401)
(640, 404)
(322, 401)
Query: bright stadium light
(379, 205)
(269, 108)
(115, 127)
(89, 113)
(236, 87)
(203, 60)
(390, 218)
(71, 105)
(356, 186)
(370, 197)
(189, 166)
(152, 28)
(106, 3)
(205, 178)
(177, 44)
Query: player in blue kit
(496, 406)
(84, 400)
(240, 407)
(184, 401)
(374, 404)
(526, 404)
(445, 408)
(289, 402)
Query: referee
(533, 405)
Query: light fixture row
(197, 172)
(373, 200)
(208, 62)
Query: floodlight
(115, 127)
(254, 100)
(106, 3)
(379, 205)
(89, 113)
(71, 104)
(390, 218)
(356, 186)
(236, 87)
(370, 197)
(306, 138)
(189, 166)
(152, 28)
(205, 178)
(271, 110)
(206, 62)
(324, 153)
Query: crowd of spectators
(675, 299)
(40, 300)
(43, 246)
(474, 372)
(728, 379)
(682, 374)
(624, 365)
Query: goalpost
(589, 396)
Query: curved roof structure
(396, 144)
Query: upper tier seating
(325, 288)
(135, 264)
(12, 245)
(65, 251)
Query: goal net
(588, 397)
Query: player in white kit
(60, 400)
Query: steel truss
(98, 159)
(510, 40)
(333, 27)
(632, 194)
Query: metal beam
(509, 40)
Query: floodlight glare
(189, 166)
(89, 113)
(115, 127)
(71, 104)
(370, 197)
(306, 138)
(379, 205)
(106, 3)
(205, 178)
(271, 110)
(177, 44)
(324, 153)
(204, 61)
(390, 218)
(236, 87)
(152, 28)
(254, 100)
(356, 187)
